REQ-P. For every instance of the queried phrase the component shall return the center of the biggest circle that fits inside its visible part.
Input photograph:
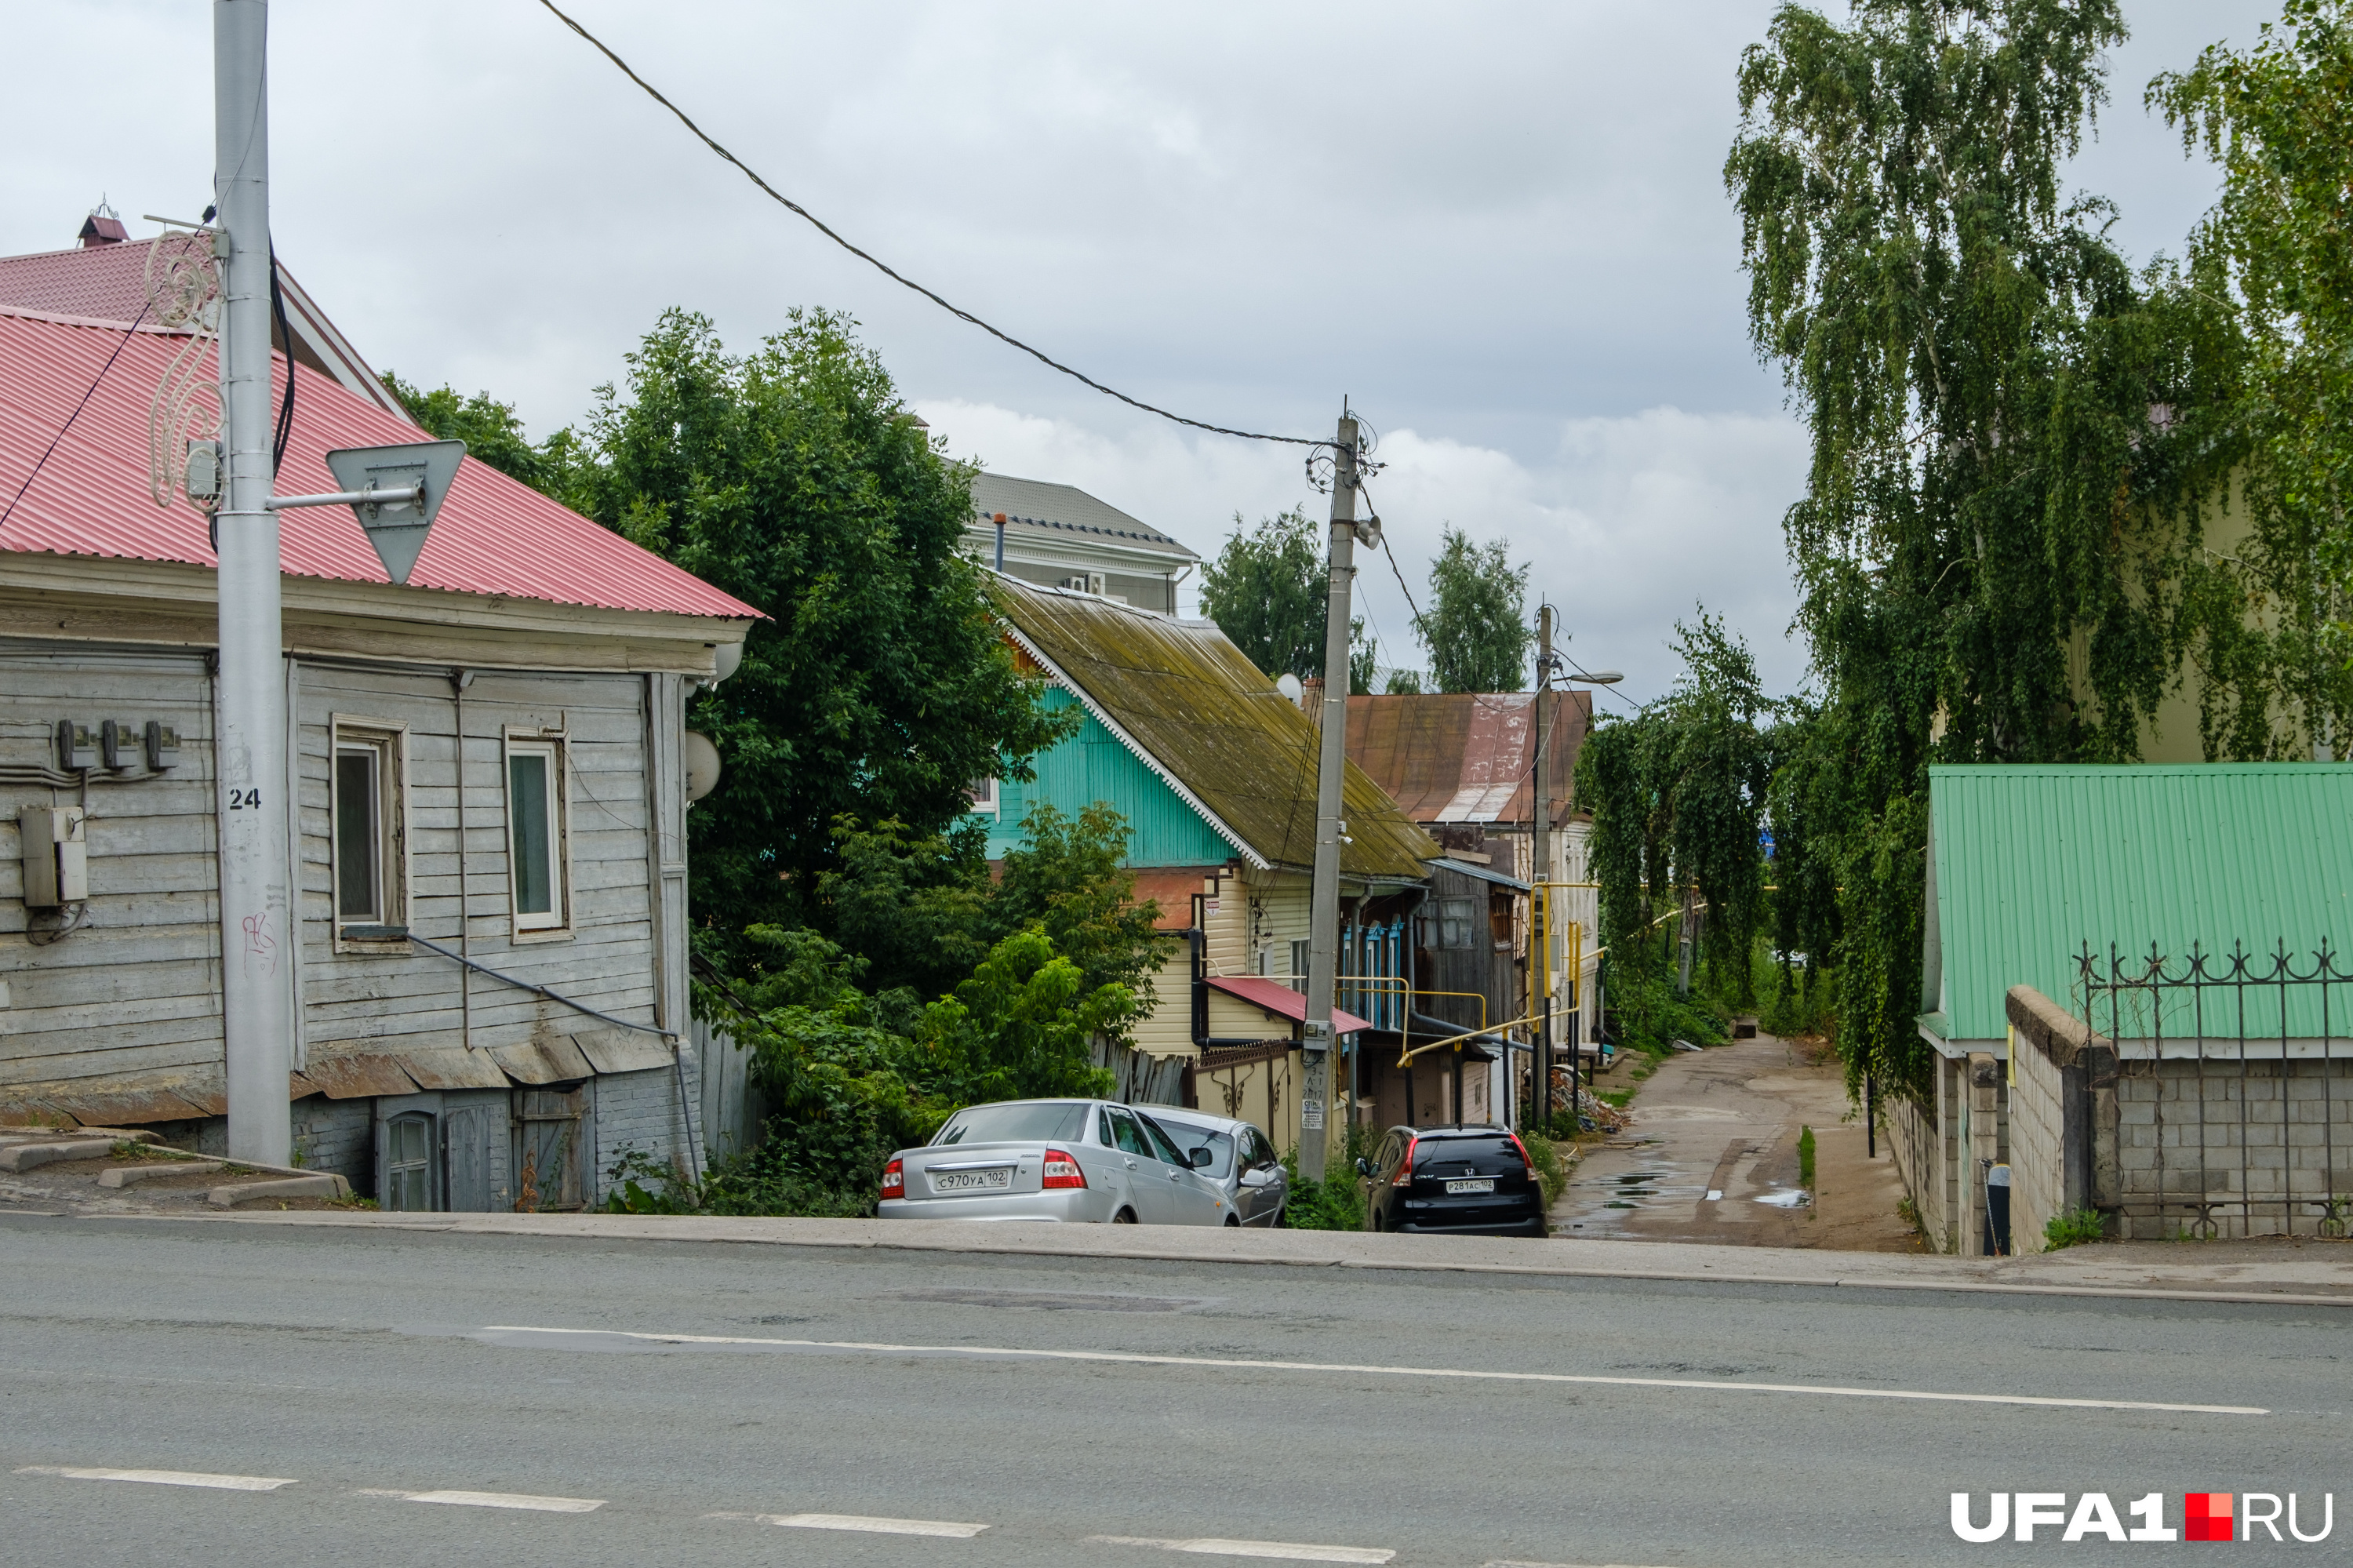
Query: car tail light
(895, 1180)
(1061, 1171)
(1523, 1149)
(1404, 1177)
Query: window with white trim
(538, 856)
(982, 793)
(367, 788)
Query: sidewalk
(2316, 1273)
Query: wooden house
(1214, 771)
(485, 944)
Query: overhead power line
(790, 204)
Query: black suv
(1471, 1180)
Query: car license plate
(973, 1181)
(1484, 1184)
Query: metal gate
(2224, 1100)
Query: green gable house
(1214, 771)
(2214, 1096)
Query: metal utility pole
(1323, 927)
(1540, 932)
(257, 911)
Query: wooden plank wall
(137, 990)
(413, 998)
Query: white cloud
(1628, 521)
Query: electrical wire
(791, 205)
(285, 431)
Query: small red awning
(1282, 1000)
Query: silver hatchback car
(1070, 1161)
(1243, 1162)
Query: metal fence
(2227, 1095)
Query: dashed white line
(524, 1500)
(1133, 1358)
(1287, 1551)
(162, 1478)
(868, 1523)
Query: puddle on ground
(1785, 1198)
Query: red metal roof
(1464, 757)
(1282, 1000)
(494, 535)
(103, 283)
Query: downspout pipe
(1199, 940)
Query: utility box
(57, 856)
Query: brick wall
(337, 1136)
(633, 1110)
(2038, 1143)
(1923, 1138)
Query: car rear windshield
(1014, 1121)
(1427, 1149)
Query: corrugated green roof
(2029, 863)
(1210, 723)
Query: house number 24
(245, 800)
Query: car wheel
(1125, 1217)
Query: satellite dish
(423, 470)
(1288, 685)
(701, 760)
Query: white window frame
(386, 743)
(554, 923)
(984, 795)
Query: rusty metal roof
(1191, 707)
(1464, 757)
(494, 535)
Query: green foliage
(2073, 1227)
(1403, 683)
(2278, 118)
(2016, 440)
(793, 478)
(1552, 1171)
(491, 431)
(1476, 628)
(1337, 1201)
(1269, 591)
(1678, 795)
(1806, 1158)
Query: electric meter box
(57, 856)
(77, 745)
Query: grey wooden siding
(137, 990)
(415, 998)
(134, 996)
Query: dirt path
(1712, 1155)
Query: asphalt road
(400, 1384)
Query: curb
(988, 1247)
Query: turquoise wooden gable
(1093, 765)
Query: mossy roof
(1210, 723)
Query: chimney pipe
(1000, 542)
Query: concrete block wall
(1919, 1142)
(2210, 1149)
(2038, 1144)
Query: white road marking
(1289, 1551)
(163, 1477)
(873, 1526)
(491, 1499)
(1132, 1358)
(1516, 1562)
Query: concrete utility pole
(1323, 928)
(256, 912)
(1540, 904)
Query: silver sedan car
(1085, 1161)
(1243, 1162)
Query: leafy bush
(1337, 1201)
(2073, 1227)
(1552, 1171)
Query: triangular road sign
(398, 530)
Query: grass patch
(2073, 1227)
(1551, 1170)
(1806, 1158)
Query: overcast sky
(1500, 229)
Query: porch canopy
(1282, 1000)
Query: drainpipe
(1000, 544)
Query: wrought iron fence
(2226, 1090)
